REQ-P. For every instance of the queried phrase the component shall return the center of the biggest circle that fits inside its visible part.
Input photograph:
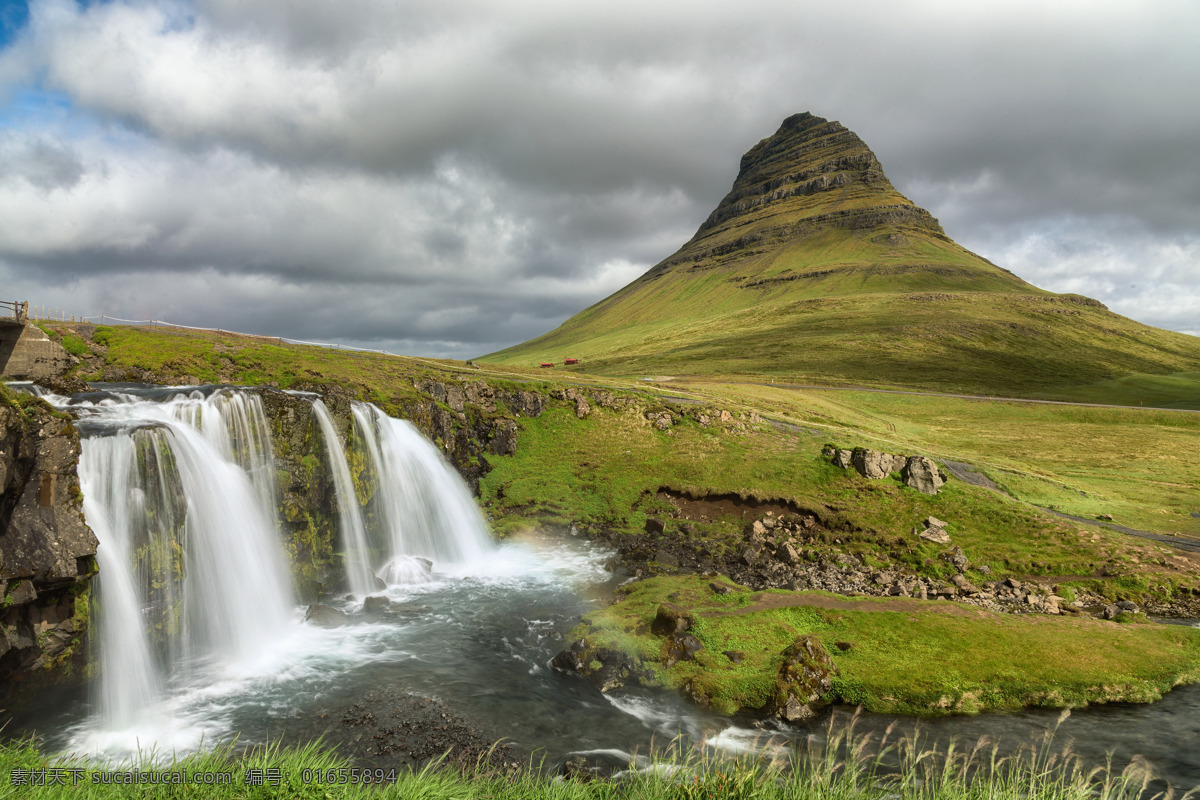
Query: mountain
(815, 268)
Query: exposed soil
(967, 473)
(713, 507)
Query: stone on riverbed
(325, 616)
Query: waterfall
(113, 502)
(354, 535)
(422, 505)
(181, 497)
(193, 589)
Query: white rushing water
(194, 602)
(423, 505)
(359, 576)
(181, 496)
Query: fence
(37, 313)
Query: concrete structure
(27, 353)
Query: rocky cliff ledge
(46, 549)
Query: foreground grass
(897, 656)
(846, 766)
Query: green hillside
(814, 268)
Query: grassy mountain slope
(814, 267)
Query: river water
(476, 632)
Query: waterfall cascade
(424, 508)
(181, 493)
(181, 496)
(359, 576)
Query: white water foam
(359, 576)
(205, 569)
(425, 509)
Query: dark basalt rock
(680, 647)
(46, 549)
(376, 604)
(803, 679)
(671, 619)
(606, 669)
(325, 616)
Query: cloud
(456, 176)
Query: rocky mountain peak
(809, 162)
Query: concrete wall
(27, 353)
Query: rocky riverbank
(46, 549)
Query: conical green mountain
(814, 268)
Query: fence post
(23, 312)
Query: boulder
(671, 619)
(788, 555)
(803, 679)
(842, 458)
(573, 659)
(325, 616)
(375, 604)
(655, 525)
(963, 585)
(922, 474)
(680, 647)
(871, 463)
(663, 421)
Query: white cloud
(467, 175)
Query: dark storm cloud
(453, 178)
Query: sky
(450, 177)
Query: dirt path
(805, 387)
(767, 602)
(968, 474)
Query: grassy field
(605, 472)
(895, 655)
(1134, 464)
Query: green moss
(984, 661)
